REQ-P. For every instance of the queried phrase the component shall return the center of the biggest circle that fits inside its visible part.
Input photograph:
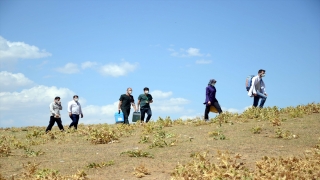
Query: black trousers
(207, 110)
(52, 121)
(143, 112)
(126, 113)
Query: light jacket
(55, 108)
(257, 85)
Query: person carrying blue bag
(125, 102)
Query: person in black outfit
(125, 102)
(211, 99)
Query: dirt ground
(75, 153)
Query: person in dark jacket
(211, 99)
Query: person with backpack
(144, 101)
(125, 102)
(211, 99)
(55, 108)
(257, 89)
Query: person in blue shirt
(211, 99)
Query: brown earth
(74, 152)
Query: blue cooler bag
(119, 117)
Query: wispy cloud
(10, 81)
(190, 52)
(88, 64)
(69, 68)
(19, 50)
(116, 70)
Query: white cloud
(30, 107)
(157, 94)
(19, 50)
(172, 105)
(88, 64)
(116, 70)
(190, 52)
(193, 52)
(69, 68)
(100, 114)
(203, 61)
(10, 81)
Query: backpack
(249, 82)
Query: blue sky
(96, 49)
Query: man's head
(146, 90)
(261, 72)
(129, 90)
(57, 98)
(76, 98)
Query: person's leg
(263, 99)
(217, 106)
(59, 122)
(255, 100)
(76, 121)
(51, 123)
(149, 112)
(143, 112)
(206, 113)
(126, 113)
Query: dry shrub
(31, 172)
(201, 168)
(307, 167)
(102, 136)
(5, 149)
(167, 122)
(138, 153)
(141, 171)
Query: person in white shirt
(258, 89)
(55, 108)
(74, 110)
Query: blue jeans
(75, 120)
(257, 98)
(143, 112)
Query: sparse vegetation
(30, 153)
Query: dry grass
(268, 143)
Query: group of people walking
(74, 110)
(256, 90)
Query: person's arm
(80, 110)
(51, 109)
(208, 96)
(133, 104)
(70, 108)
(151, 99)
(60, 106)
(254, 82)
(119, 105)
(138, 104)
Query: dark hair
(145, 89)
(260, 71)
(75, 96)
(57, 98)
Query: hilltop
(268, 143)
